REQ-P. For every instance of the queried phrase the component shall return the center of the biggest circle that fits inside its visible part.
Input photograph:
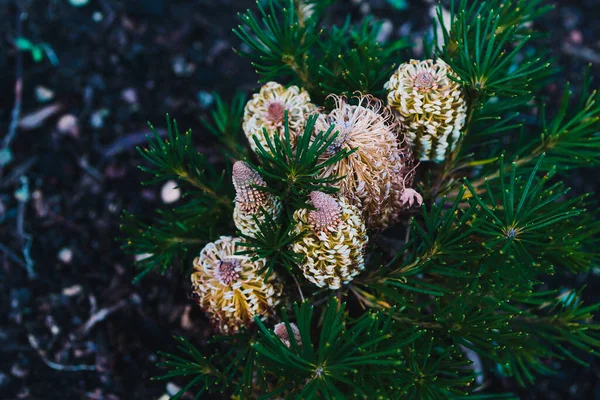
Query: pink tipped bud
(425, 81)
(327, 215)
(282, 333)
(228, 271)
(276, 112)
(245, 180)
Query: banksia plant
(267, 109)
(431, 105)
(332, 247)
(404, 279)
(379, 170)
(252, 203)
(229, 288)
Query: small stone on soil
(65, 255)
(170, 192)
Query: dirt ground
(72, 325)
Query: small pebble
(142, 256)
(148, 195)
(181, 67)
(129, 95)
(386, 30)
(79, 3)
(5, 157)
(4, 379)
(186, 321)
(97, 118)
(97, 16)
(72, 290)
(113, 208)
(20, 369)
(205, 99)
(22, 194)
(68, 124)
(576, 37)
(43, 94)
(65, 255)
(172, 388)
(170, 192)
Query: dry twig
(16, 111)
(56, 366)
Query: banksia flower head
(228, 287)
(267, 110)
(282, 333)
(333, 245)
(378, 171)
(250, 199)
(431, 105)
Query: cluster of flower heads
(423, 119)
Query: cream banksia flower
(228, 287)
(267, 109)
(334, 241)
(430, 104)
(249, 199)
(380, 168)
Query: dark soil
(74, 326)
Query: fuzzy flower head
(250, 201)
(267, 110)
(379, 169)
(228, 287)
(333, 245)
(430, 104)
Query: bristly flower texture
(380, 169)
(430, 104)
(229, 288)
(250, 200)
(333, 246)
(267, 108)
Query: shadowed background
(72, 325)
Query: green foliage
(179, 232)
(354, 61)
(272, 242)
(280, 44)
(457, 292)
(176, 158)
(433, 372)
(227, 125)
(175, 234)
(571, 138)
(346, 357)
(522, 222)
(292, 173)
(345, 60)
(482, 46)
(204, 374)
